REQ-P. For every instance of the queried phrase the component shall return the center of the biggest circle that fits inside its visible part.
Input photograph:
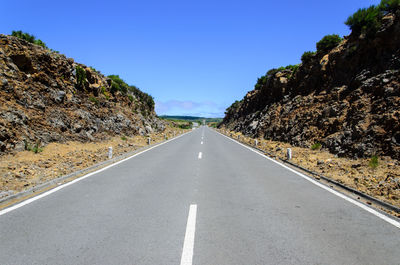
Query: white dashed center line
(188, 244)
(201, 142)
(200, 155)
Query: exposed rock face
(348, 99)
(40, 100)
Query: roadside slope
(46, 97)
(346, 97)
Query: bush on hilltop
(328, 42)
(28, 37)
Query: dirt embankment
(46, 97)
(380, 180)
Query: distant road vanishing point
(201, 198)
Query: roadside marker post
(148, 141)
(289, 154)
(256, 142)
(110, 152)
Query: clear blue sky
(193, 57)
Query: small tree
(365, 20)
(389, 5)
(80, 77)
(328, 42)
(307, 56)
(28, 37)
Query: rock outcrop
(347, 99)
(43, 99)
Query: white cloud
(190, 108)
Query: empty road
(198, 199)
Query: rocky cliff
(347, 99)
(46, 97)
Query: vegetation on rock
(346, 98)
(307, 56)
(28, 37)
(328, 42)
(81, 80)
(369, 20)
(51, 98)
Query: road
(244, 209)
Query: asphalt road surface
(199, 199)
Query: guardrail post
(110, 152)
(289, 154)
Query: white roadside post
(256, 142)
(165, 136)
(289, 154)
(148, 141)
(110, 152)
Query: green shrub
(94, 69)
(40, 43)
(105, 92)
(28, 37)
(35, 148)
(81, 80)
(389, 5)
(365, 20)
(123, 138)
(117, 84)
(22, 35)
(185, 125)
(260, 82)
(264, 79)
(130, 98)
(94, 100)
(232, 108)
(316, 146)
(307, 56)
(328, 42)
(294, 69)
(374, 162)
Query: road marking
(200, 155)
(188, 244)
(359, 204)
(23, 203)
(201, 142)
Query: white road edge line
(28, 201)
(359, 204)
(188, 244)
(200, 155)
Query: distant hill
(190, 118)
